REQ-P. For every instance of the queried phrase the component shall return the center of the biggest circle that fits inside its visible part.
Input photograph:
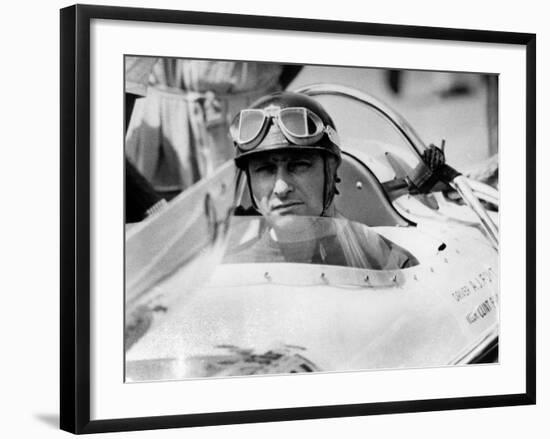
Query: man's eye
(301, 164)
(266, 168)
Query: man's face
(288, 182)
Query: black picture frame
(76, 212)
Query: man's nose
(283, 185)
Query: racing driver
(288, 148)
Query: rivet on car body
(267, 276)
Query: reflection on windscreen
(312, 240)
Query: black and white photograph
(298, 218)
(286, 219)
(292, 218)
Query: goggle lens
(295, 121)
(250, 124)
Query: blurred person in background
(178, 134)
(141, 198)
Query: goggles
(299, 125)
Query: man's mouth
(286, 206)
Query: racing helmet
(283, 121)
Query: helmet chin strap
(328, 193)
(326, 203)
(249, 184)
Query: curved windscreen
(363, 129)
(312, 240)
